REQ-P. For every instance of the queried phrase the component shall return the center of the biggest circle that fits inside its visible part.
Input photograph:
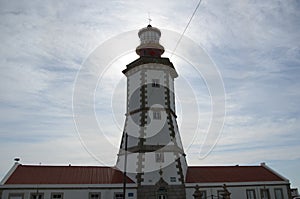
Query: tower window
(173, 179)
(155, 83)
(159, 157)
(156, 115)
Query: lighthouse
(151, 151)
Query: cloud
(249, 156)
(254, 45)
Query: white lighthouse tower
(155, 159)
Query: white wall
(237, 190)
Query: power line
(181, 36)
(187, 25)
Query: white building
(82, 182)
(151, 152)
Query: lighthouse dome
(149, 46)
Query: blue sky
(254, 44)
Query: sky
(48, 46)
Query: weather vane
(149, 19)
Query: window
(162, 196)
(162, 193)
(94, 196)
(130, 194)
(278, 193)
(203, 195)
(156, 115)
(264, 193)
(36, 196)
(16, 196)
(155, 83)
(119, 196)
(159, 156)
(56, 195)
(250, 194)
(173, 179)
(220, 192)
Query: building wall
(239, 191)
(70, 193)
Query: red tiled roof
(25, 174)
(202, 174)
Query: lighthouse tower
(154, 158)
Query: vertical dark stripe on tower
(143, 122)
(168, 95)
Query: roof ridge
(274, 172)
(9, 173)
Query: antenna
(149, 19)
